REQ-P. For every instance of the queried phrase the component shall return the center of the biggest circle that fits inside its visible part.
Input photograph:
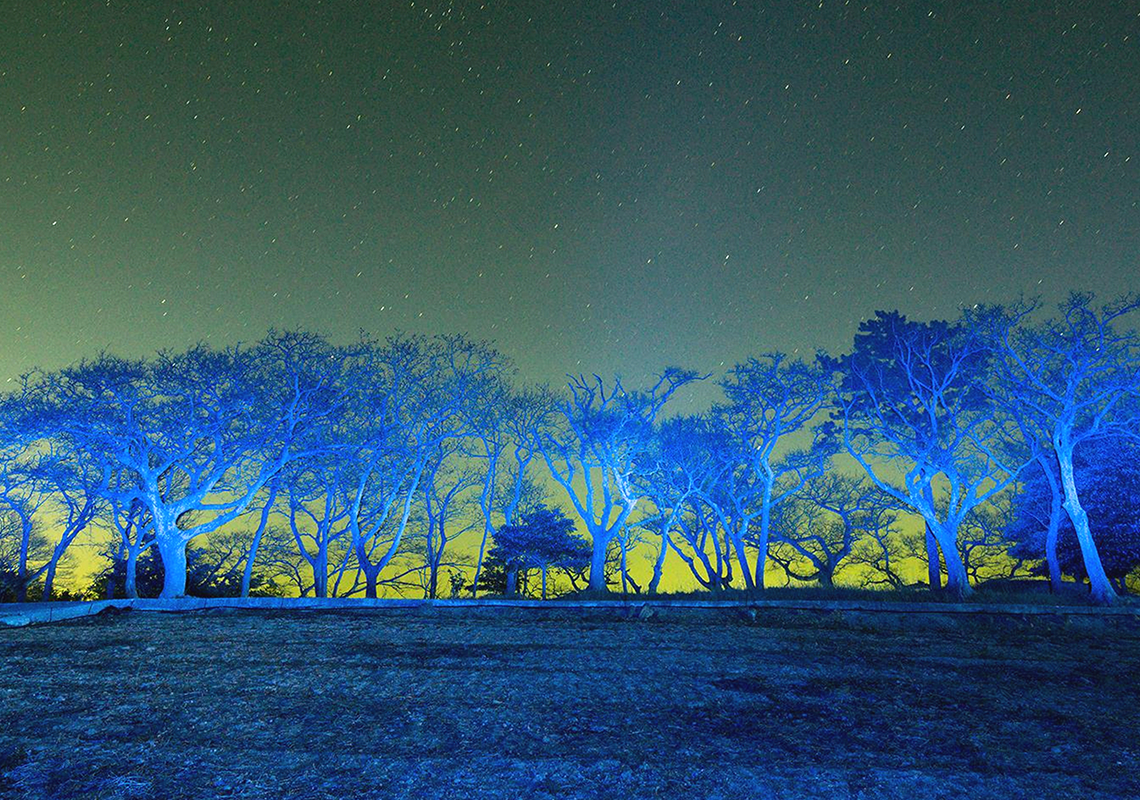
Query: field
(359, 704)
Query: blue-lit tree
(768, 401)
(683, 466)
(1076, 377)
(315, 500)
(130, 519)
(500, 422)
(201, 432)
(1106, 472)
(595, 441)
(446, 509)
(915, 413)
(411, 399)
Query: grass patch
(351, 704)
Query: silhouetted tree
(214, 568)
(817, 530)
(447, 507)
(543, 539)
(682, 466)
(23, 494)
(411, 398)
(768, 400)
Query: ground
(450, 705)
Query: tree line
(423, 464)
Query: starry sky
(594, 186)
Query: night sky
(593, 186)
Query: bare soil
(358, 705)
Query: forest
(1002, 445)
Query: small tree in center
(542, 540)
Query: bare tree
(1076, 376)
(767, 400)
(594, 442)
(201, 431)
(916, 417)
(23, 495)
(984, 545)
(683, 466)
(447, 507)
(817, 531)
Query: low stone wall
(15, 615)
(755, 611)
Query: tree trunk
(320, 567)
(247, 571)
(130, 576)
(173, 555)
(1099, 585)
(742, 558)
(482, 554)
(49, 579)
(622, 566)
(512, 581)
(1051, 546)
(765, 530)
(22, 563)
(1054, 524)
(659, 563)
(957, 582)
(598, 563)
(251, 556)
(544, 568)
(933, 568)
(371, 584)
(826, 577)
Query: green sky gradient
(593, 186)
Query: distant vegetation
(422, 466)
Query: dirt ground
(358, 705)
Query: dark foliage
(1107, 473)
(543, 540)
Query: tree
(768, 400)
(20, 543)
(201, 432)
(912, 400)
(316, 499)
(1106, 472)
(594, 441)
(684, 467)
(817, 531)
(214, 568)
(412, 398)
(984, 544)
(130, 519)
(77, 491)
(446, 510)
(1076, 376)
(543, 539)
(500, 420)
(23, 494)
